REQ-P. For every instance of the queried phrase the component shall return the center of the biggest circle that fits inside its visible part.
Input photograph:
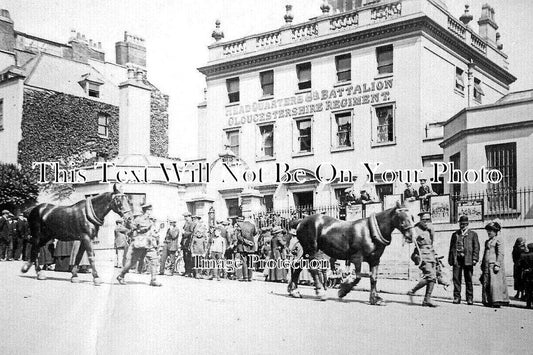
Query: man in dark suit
(463, 256)
(170, 247)
(5, 235)
(245, 232)
(188, 229)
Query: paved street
(201, 316)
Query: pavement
(187, 315)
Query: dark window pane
(385, 59)
(304, 76)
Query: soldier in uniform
(121, 239)
(245, 233)
(143, 245)
(188, 229)
(170, 247)
(424, 256)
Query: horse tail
(34, 223)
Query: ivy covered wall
(57, 125)
(159, 124)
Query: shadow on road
(344, 300)
(51, 278)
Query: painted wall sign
(310, 102)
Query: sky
(178, 32)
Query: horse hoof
(321, 295)
(25, 267)
(75, 280)
(97, 281)
(295, 294)
(41, 276)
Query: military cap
(225, 223)
(186, 214)
(277, 229)
(196, 216)
(463, 219)
(495, 226)
(240, 219)
(146, 206)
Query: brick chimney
(134, 114)
(81, 48)
(7, 32)
(487, 24)
(131, 50)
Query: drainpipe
(470, 75)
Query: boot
(418, 286)
(155, 283)
(427, 298)
(120, 280)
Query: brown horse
(355, 241)
(80, 221)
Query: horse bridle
(404, 230)
(114, 201)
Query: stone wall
(159, 124)
(56, 125)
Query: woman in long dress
(277, 253)
(494, 287)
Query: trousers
(458, 271)
(188, 261)
(6, 248)
(135, 255)
(246, 269)
(120, 257)
(165, 254)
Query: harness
(375, 232)
(91, 216)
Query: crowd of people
(137, 246)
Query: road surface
(200, 316)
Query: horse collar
(91, 216)
(375, 231)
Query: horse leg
(90, 253)
(74, 278)
(293, 284)
(33, 254)
(351, 281)
(35, 258)
(320, 290)
(374, 297)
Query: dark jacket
(4, 228)
(410, 193)
(23, 230)
(172, 239)
(186, 239)
(470, 248)
(245, 232)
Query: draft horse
(354, 241)
(79, 221)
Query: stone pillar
(134, 115)
(250, 202)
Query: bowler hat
(277, 229)
(463, 219)
(495, 226)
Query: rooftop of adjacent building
(69, 67)
(511, 112)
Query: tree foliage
(17, 188)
